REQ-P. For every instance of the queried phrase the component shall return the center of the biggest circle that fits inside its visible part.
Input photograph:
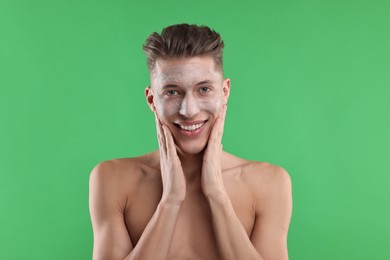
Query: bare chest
(194, 236)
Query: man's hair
(183, 41)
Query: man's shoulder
(259, 172)
(122, 169)
(265, 171)
(269, 184)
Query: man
(189, 199)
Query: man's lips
(190, 126)
(186, 123)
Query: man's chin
(190, 149)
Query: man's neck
(192, 166)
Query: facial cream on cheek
(168, 109)
(212, 106)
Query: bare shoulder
(268, 188)
(256, 170)
(262, 178)
(123, 173)
(271, 187)
(112, 184)
(114, 170)
(266, 173)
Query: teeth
(191, 127)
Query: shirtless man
(189, 199)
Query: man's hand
(174, 184)
(212, 183)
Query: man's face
(188, 95)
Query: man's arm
(271, 187)
(269, 235)
(111, 239)
(273, 214)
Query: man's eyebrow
(204, 82)
(175, 85)
(169, 85)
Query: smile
(191, 127)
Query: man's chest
(194, 233)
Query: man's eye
(204, 89)
(171, 92)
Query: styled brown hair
(182, 41)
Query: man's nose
(189, 107)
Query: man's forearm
(156, 239)
(232, 239)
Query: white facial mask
(190, 99)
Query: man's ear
(226, 90)
(149, 98)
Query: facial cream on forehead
(189, 75)
(187, 71)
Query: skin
(175, 97)
(189, 199)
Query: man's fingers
(221, 123)
(160, 135)
(214, 130)
(217, 130)
(170, 144)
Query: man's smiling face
(188, 94)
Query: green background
(310, 92)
